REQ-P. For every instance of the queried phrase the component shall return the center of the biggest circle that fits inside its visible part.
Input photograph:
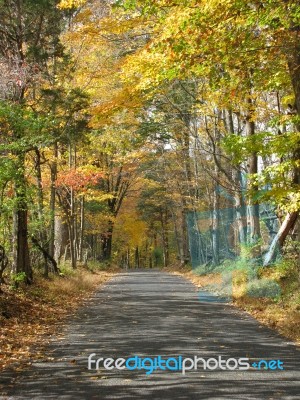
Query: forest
(149, 134)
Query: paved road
(150, 314)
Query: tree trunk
(71, 244)
(21, 250)
(107, 242)
(53, 171)
(177, 238)
(185, 239)
(293, 59)
(215, 229)
(128, 258)
(253, 208)
(47, 256)
(165, 240)
(61, 238)
(241, 218)
(81, 233)
(137, 258)
(39, 186)
(23, 260)
(280, 237)
(42, 232)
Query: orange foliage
(78, 180)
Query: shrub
(263, 288)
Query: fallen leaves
(30, 316)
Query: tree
(228, 47)
(30, 37)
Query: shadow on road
(150, 314)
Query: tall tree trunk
(137, 257)
(72, 216)
(184, 237)
(61, 238)
(40, 193)
(107, 242)
(293, 59)
(241, 218)
(280, 237)
(71, 244)
(128, 258)
(23, 259)
(178, 239)
(165, 239)
(215, 228)
(21, 248)
(53, 171)
(81, 233)
(42, 233)
(253, 208)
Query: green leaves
(262, 143)
(23, 129)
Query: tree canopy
(122, 123)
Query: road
(151, 314)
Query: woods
(148, 133)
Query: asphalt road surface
(151, 314)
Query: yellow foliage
(66, 4)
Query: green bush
(66, 269)
(94, 266)
(263, 288)
(17, 279)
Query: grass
(30, 315)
